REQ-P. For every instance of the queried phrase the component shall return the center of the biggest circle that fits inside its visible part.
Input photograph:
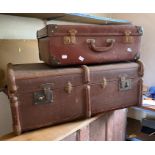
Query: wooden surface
(116, 125)
(145, 107)
(109, 126)
(148, 107)
(52, 133)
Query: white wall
(5, 115)
(147, 21)
(12, 27)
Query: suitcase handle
(92, 45)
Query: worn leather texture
(62, 45)
(76, 93)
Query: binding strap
(141, 68)
(87, 90)
(86, 73)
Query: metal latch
(128, 38)
(124, 84)
(44, 96)
(68, 88)
(103, 83)
(71, 39)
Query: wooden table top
(53, 133)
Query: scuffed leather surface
(51, 45)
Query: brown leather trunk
(61, 45)
(42, 96)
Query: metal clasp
(68, 88)
(128, 38)
(103, 83)
(44, 96)
(124, 84)
(71, 39)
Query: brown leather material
(86, 73)
(42, 96)
(88, 105)
(12, 89)
(141, 68)
(61, 45)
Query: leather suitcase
(62, 45)
(41, 96)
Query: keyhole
(126, 84)
(41, 98)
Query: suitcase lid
(33, 77)
(114, 72)
(89, 30)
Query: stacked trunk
(98, 71)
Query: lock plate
(124, 84)
(129, 39)
(44, 96)
(71, 38)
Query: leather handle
(92, 45)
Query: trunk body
(42, 96)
